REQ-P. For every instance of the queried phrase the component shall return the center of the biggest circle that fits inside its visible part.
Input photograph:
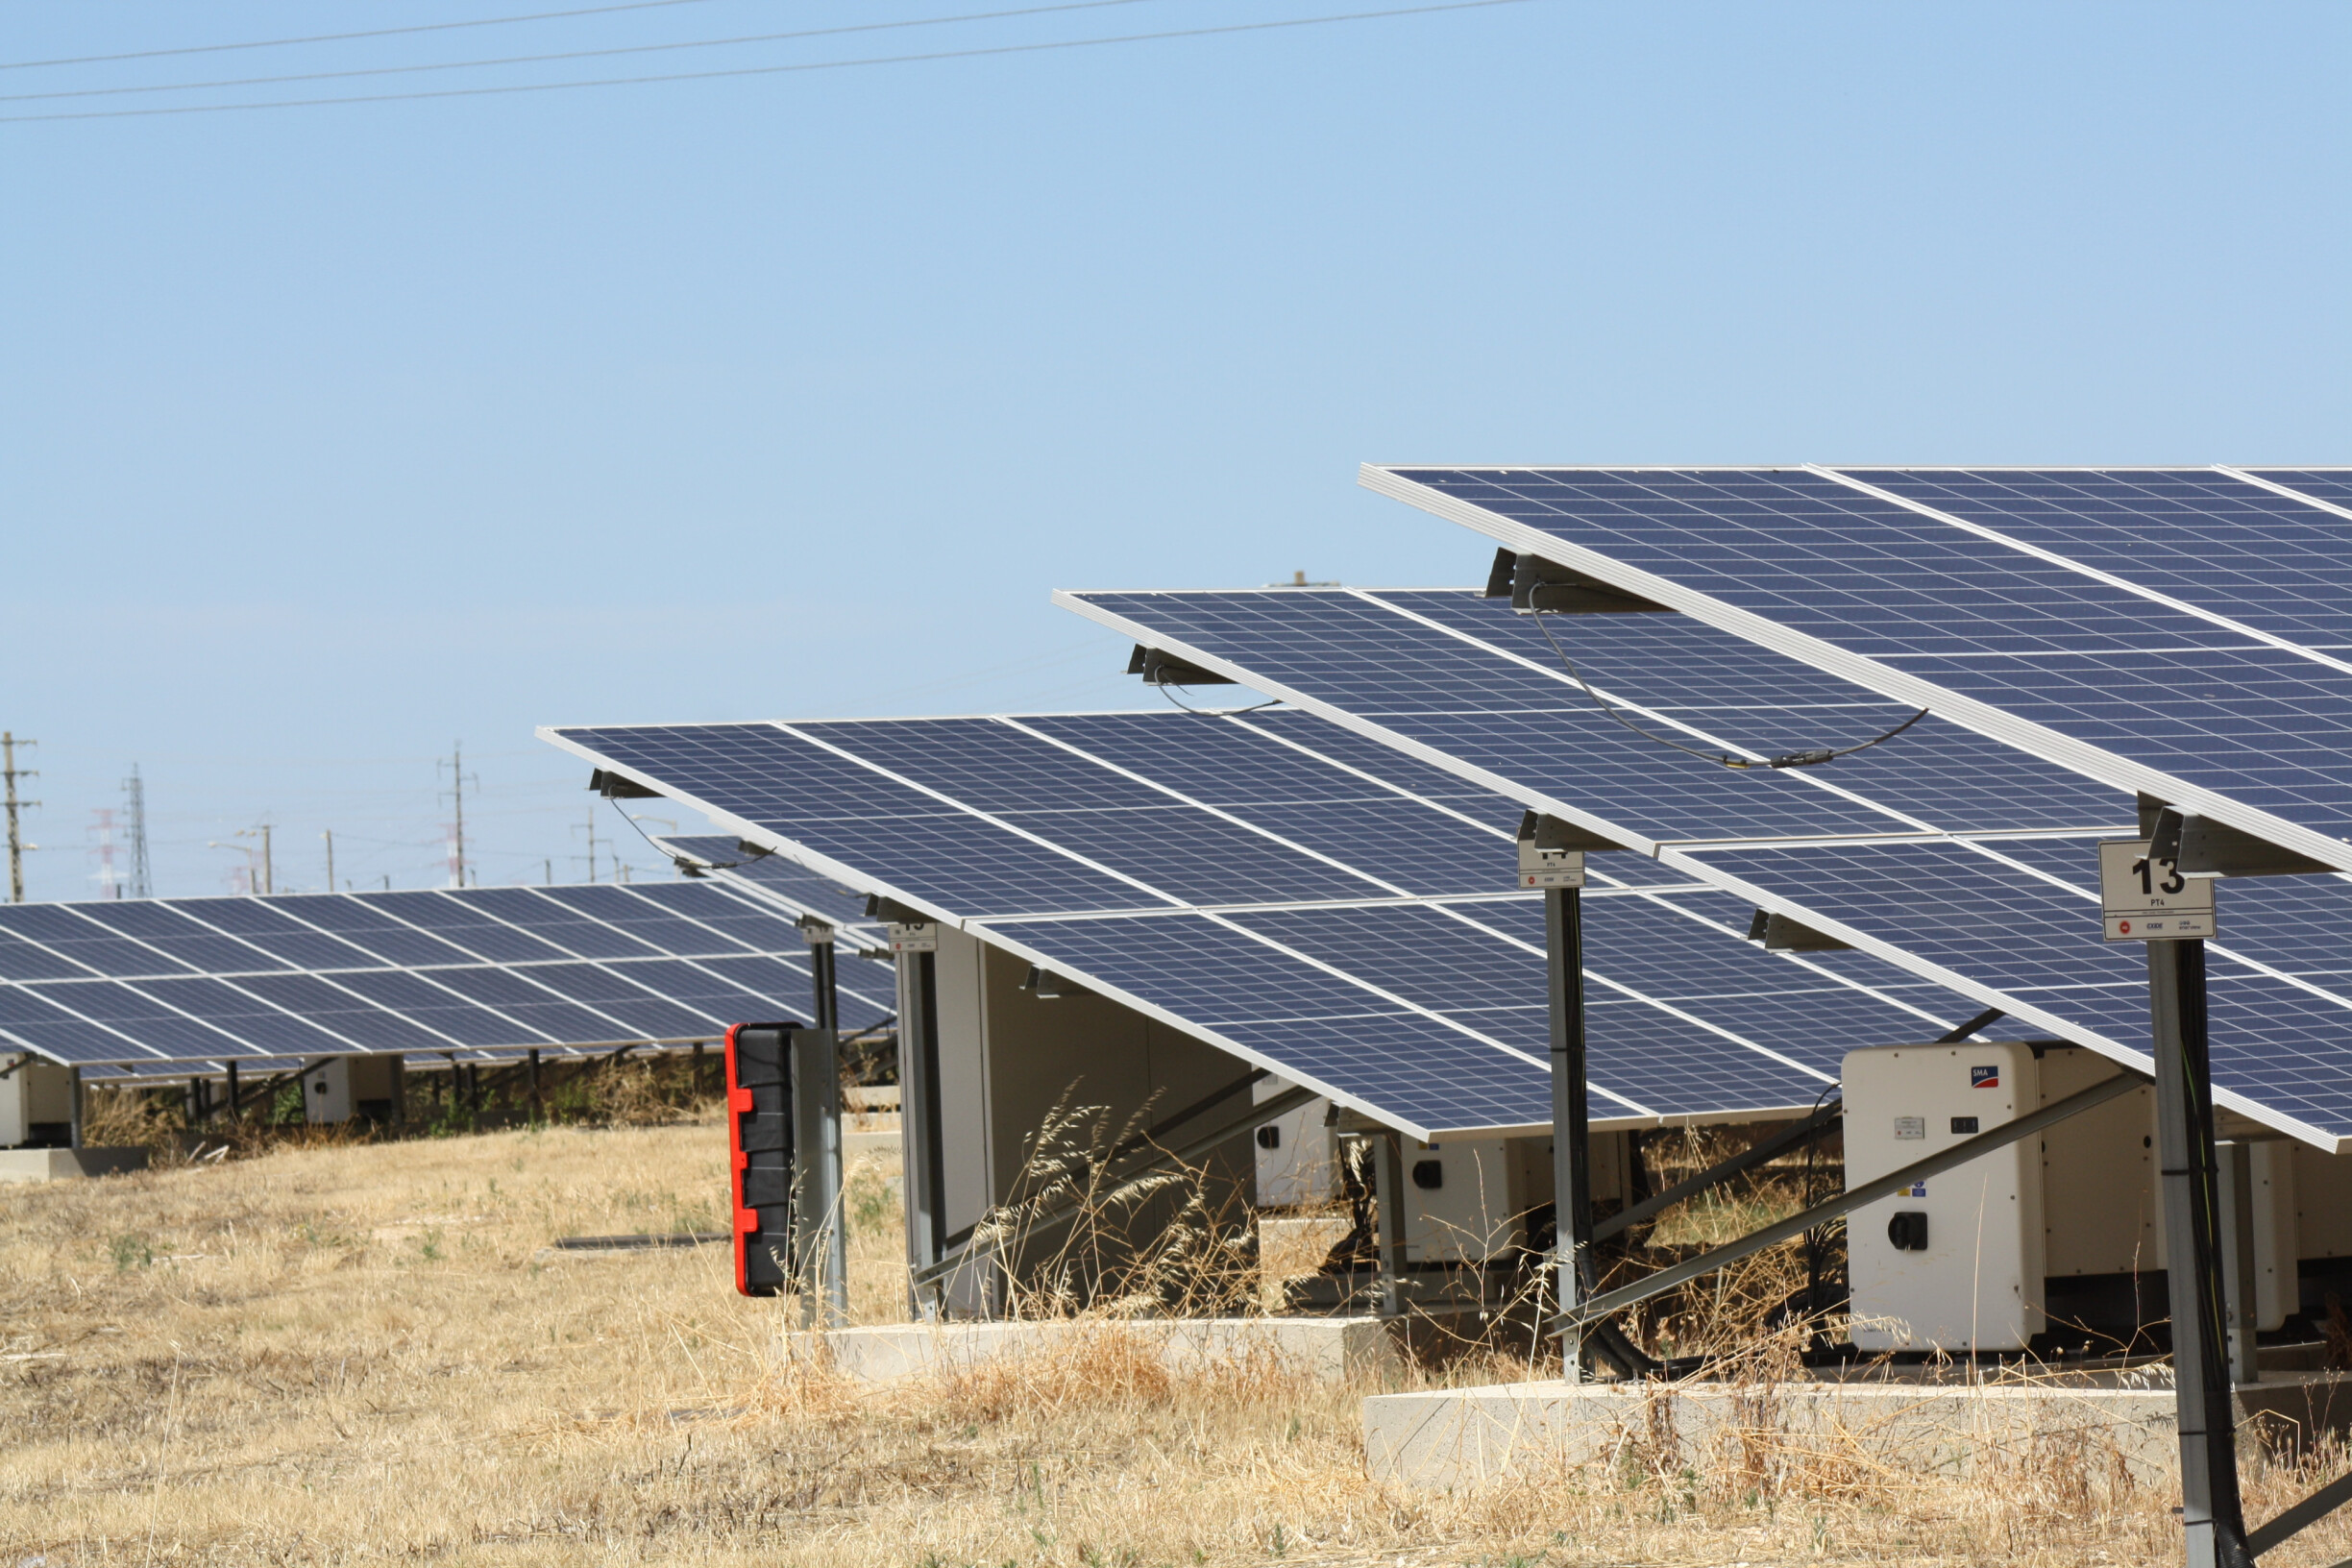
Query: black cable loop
(1167, 690)
(1788, 759)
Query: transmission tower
(134, 807)
(110, 885)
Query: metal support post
(2234, 1164)
(2210, 1509)
(918, 1093)
(817, 1155)
(1570, 1129)
(1388, 1194)
(827, 998)
(235, 1113)
(537, 1092)
(73, 1101)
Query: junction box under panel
(1471, 1197)
(36, 1105)
(367, 1087)
(1297, 1154)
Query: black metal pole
(235, 1113)
(821, 977)
(1571, 1116)
(2210, 1508)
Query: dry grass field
(358, 1353)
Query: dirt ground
(357, 1353)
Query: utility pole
(329, 835)
(16, 844)
(457, 784)
(135, 803)
(269, 872)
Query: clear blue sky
(334, 435)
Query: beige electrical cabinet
(365, 1086)
(36, 1104)
(1954, 1262)
(1298, 1154)
(1467, 1196)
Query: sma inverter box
(1953, 1263)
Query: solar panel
(478, 970)
(1269, 882)
(1805, 850)
(2147, 672)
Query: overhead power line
(339, 37)
(767, 71)
(571, 54)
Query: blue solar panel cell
(62, 931)
(654, 923)
(2332, 487)
(1517, 725)
(154, 1025)
(367, 924)
(271, 924)
(260, 1027)
(22, 960)
(640, 1012)
(1314, 1025)
(33, 1021)
(511, 993)
(414, 996)
(2202, 536)
(158, 924)
(561, 923)
(349, 1017)
(459, 921)
(1993, 630)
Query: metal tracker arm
(1192, 1148)
(2308, 1512)
(1887, 1186)
(1714, 1175)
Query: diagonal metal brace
(1794, 1132)
(2310, 1512)
(1887, 1186)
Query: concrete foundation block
(1459, 1437)
(62, 1164)
(1331, 1348)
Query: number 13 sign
(2149, 900)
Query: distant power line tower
(10, 772)
(110, 885)
(135, 808)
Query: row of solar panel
(1432, 1016)
(322, 974)
(1461, 679)
(327, 933)
(2190, 622)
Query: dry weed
(364, 1352)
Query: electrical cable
(574, 54)
(1813, 758)
(339, 37)
(767, 71)
(1168, 691)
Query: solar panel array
(479, 973)
(1959, 859)
(1324, 906)
(2187, 632)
